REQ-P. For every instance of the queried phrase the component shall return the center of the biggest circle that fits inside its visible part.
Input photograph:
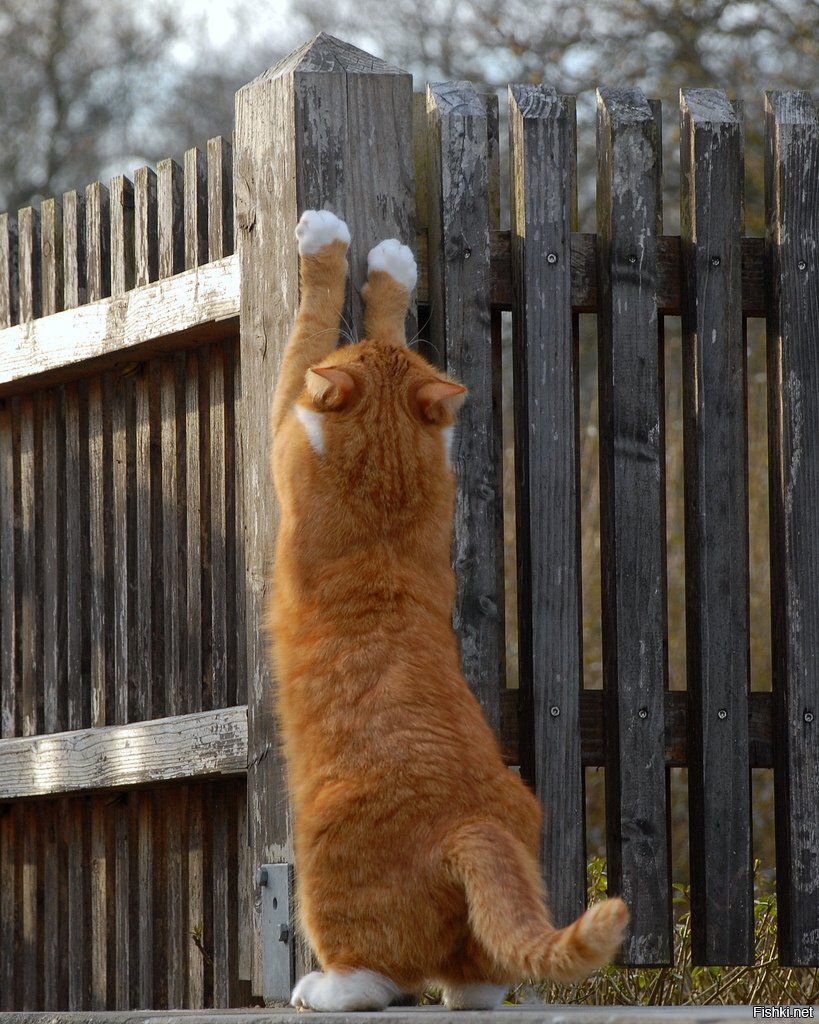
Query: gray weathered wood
(52, 565)
(547, 473)
(146, 237)
(460, 330)
(220, 198)
(632, 514)
(30, 266)
(9, 711)
(122, 235)
(170, 217)
(51, 255)
(118, 756)
(75, 291)
(194, 633)
(9, 296)
(99, 495)
(122, 581)
(218, 661)
(29, 696)
(716, 530)
(335, 123)
(77, 639)
(143, 552)
(195, 208)
(172, 565)
(205, 296)
(792, 210)
(97, 241)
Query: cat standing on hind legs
(416, 849)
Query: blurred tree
(90, 89)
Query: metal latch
(278, 947)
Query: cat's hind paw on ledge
(396, 260)
(318, 228)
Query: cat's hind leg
(392, 273)
(479, 995)
(344, 991)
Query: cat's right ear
(330, 387)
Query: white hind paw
(318, 228)
(475, 996)
(396, 259)
(344, 992)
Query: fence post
(632, 518)
(328, 126)
(792, 264)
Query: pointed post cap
(324, 54)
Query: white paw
(396, 259)
(477, 996)
(344, 992)
(318, 228)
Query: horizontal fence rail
(138, 354)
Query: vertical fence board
(123, 217)
(144, 646)
(31, 959)
(98, 947)
(176, 910)
(547, 473)
(196, 893)
(147, 918)
(79, 920)
(460, 328)
(220, 198)
(51, 255)
(236, 680)
(30, 289)
(218, 531)
(75, 290)
(53, 565)
(171, 223)
(97, 241)
(30, 618)
(122, 903)
(8, 909)
(9, 668)
(716, 502)
(194, 439)
(146, 240)
(196, 208)
(77, 628)
(121, 541)
(98, 538)
(792, 186)
(9, 272)
(170, 538)
(633, 520)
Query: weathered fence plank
(196, 208)
(792, 210)
(716, 534)
(97, 241)
(460, 333)
(51, 242)
(9, 273)
(220, 198)
(632, 518)
(8, 569)
(123, 226)
(196, 305)
(146, 230)
(170, 190)
(547, 471)
(30, 264)
(75, 290)
(296, 118)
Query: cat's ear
(440, 399)
(330, 387)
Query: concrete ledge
(414, 1015)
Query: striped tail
(508, 915)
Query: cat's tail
(508, 915)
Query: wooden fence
(140, 785)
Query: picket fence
(140, 782)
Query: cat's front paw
(318, 228)
(396, 260)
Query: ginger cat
(416, 848)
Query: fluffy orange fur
(416, 848)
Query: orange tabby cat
(416, 848)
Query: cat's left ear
(330, 387)
(440, 400)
